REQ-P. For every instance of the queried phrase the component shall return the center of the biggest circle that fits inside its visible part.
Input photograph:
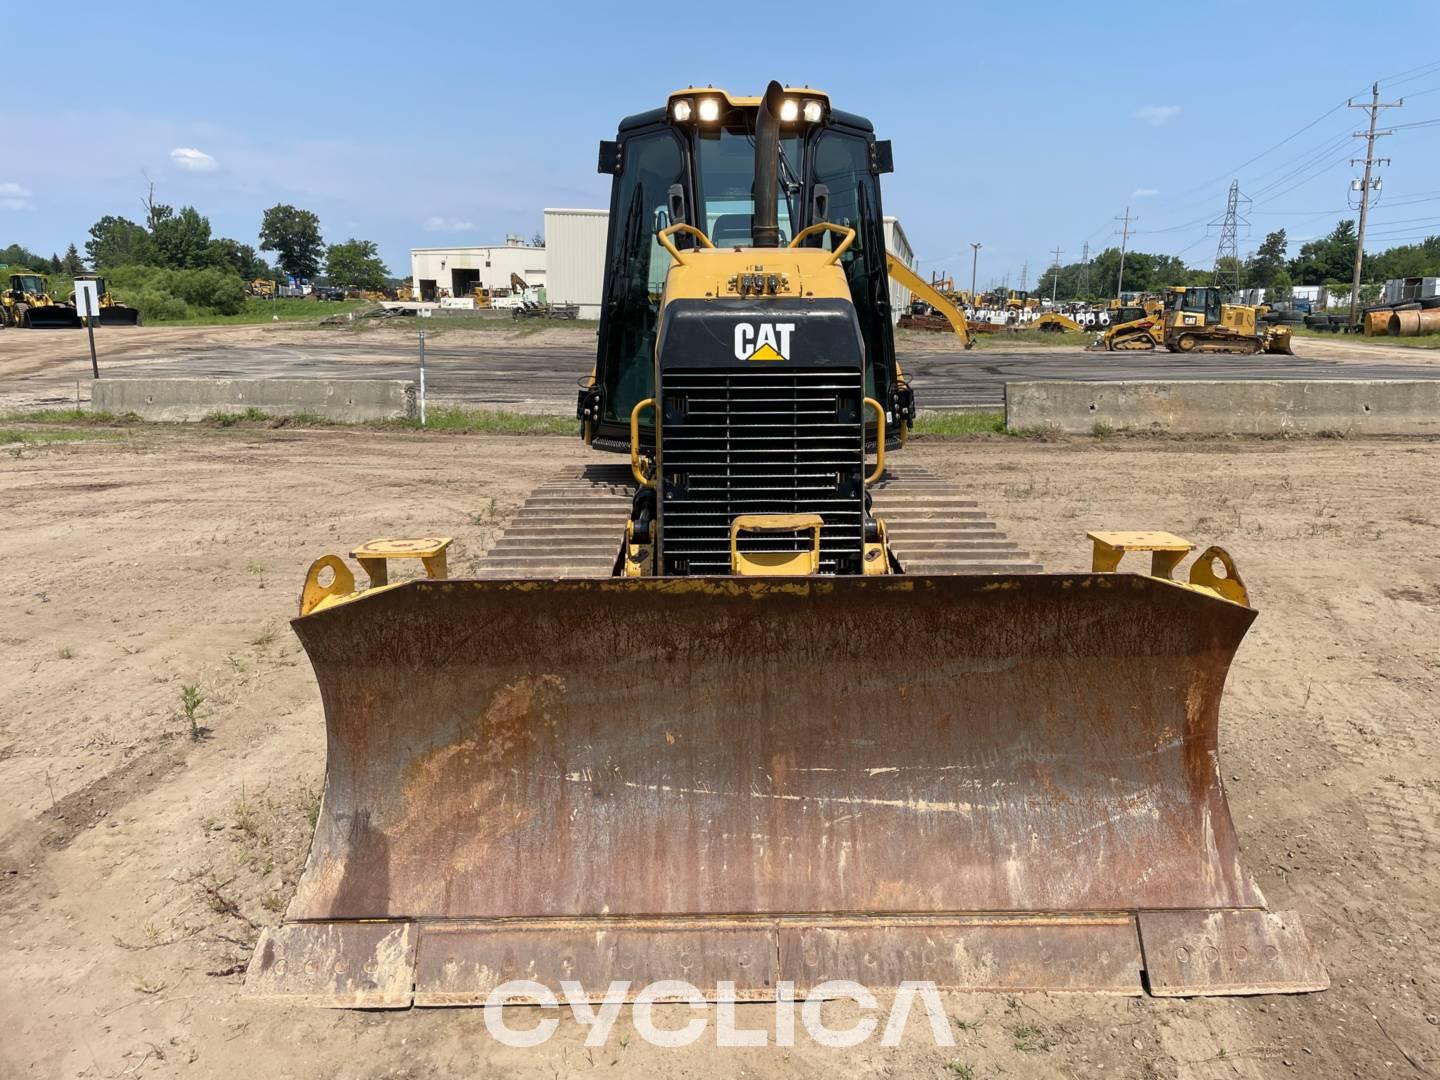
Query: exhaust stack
(765, 226)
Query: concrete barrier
(1238, 406)
(342, 400)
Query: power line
(1227, 254)
(1124, 237)
(1055, 281)
(1373, 109)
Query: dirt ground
(137, 865)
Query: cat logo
(767, 341)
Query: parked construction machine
(1196, 320)
(27, 303)
(1191, 319)
(112, 311)
(766, 746)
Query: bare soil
(137, 865)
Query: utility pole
(1055, 281)
(974, 262)
(1024, 274)
(1085, 270)
(1365, 185)
(1227, 253)
(1124, 238)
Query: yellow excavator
(753, 707)
(27, 303)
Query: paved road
(543, 377)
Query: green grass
(15, 436)
(1429, 341)
(264, 311)
(68, 416)
(441, 323)
(488, 422)
(952, 424)
(1033, 338)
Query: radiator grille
(759, 442)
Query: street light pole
(974, 262)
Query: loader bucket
(119, 315)
(51, 317)
(1004, 782)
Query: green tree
(1280, 287)
(226, 254)
(117, 241)
(180, 240)
(73, 265)
(294, 235)
(1329, 258)
(356, 262)
(1269, 259)
(19, 257)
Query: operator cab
(694, 161)
(1201, 300)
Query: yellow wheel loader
(1196, 320)
(27, 303)
(757, 708)
(112, 311)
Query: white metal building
(575, 253)
(456, 271)
(898, 244)
(575, 248)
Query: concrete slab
(342, 400)
(1235, 406)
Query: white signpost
(87, 304)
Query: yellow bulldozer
(755, 708)
(27, 303)
(1192, 319)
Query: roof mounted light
(789, 111)
(680, 110)
(814, 111)
(709, 110)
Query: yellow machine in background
(112, 311)
(27, 303)
(1133, 327)
(1195, 320)
(264, 288)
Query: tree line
(1328, 260)
(173, 257)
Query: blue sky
(417, 126)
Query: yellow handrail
(822, 226)
(663, 236)
(879, 440)
(635, 469)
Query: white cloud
(1157, 114)
(447, 224)
(15, 197)
(1144, 192)
(192, 160)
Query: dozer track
(572, 525)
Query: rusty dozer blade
(984, 782)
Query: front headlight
(680, 111)
(789, 111)
(814, 111)
(709, 110)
